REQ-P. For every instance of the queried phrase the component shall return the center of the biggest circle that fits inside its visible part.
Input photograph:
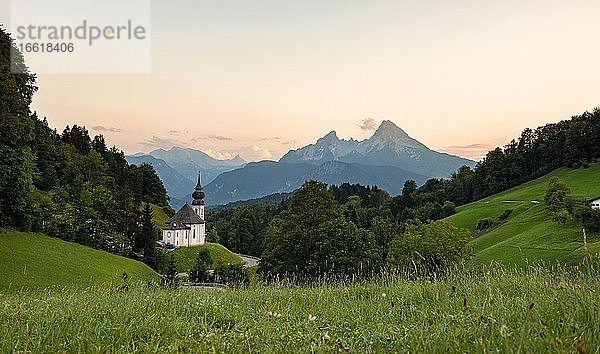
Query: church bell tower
(198, 196)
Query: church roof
(183, 219)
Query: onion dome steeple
(198, 194)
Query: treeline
(70, 185)
(366, 210)
(313, 237)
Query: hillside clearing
(31, 261)
(529, 234)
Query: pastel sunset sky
(260, 77)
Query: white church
(187, 227)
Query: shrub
(505, 214)
(232, 275)
(588, 217)
(430, 247)
(449, 208)
(483, 224)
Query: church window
(194, 232)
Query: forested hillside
(68, 184)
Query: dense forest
(70, 185)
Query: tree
(144, 243)
(199, 273)
(171, 279)
(384, 232)
(16, 134)
(313, 238)
(558, 196)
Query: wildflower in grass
(326, 336)
(267, 313)
(311, 318)
(383, 295)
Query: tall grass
(493, 308)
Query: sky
(261, 77)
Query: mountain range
(179, 167)
(387, 159)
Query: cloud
(472, 151)
(279, 140)
(174, 132)
(368, 124)
(255, 152)
(212, 137)
(220, 155)
(158, 142)
(248, 153)
(103, 129)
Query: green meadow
(33, 261)
(493, 309)
(529, 234)
(186, 257)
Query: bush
(430, 247)
(199, 273)
(449, 208)
(505, 214)
(484, 224)
(588, 217)
(232, 275)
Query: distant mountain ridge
(389, 146)
(179, 167)
(387, 159)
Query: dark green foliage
(384, 232)
(588, 217)
(559, 201)
(199, 273)
(558, 196)
(170, 279)
(232, 275)
(144, 243)
(484, 224)
(69, 185)
(429, 247)
(16, 134)
(313, 238)
(505, 214)
(448, 208)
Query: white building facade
(595, 204)
(187, 227)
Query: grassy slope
(160, 218)
(186, 256)
(529, 234)
(528, 310)
(30, 260)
